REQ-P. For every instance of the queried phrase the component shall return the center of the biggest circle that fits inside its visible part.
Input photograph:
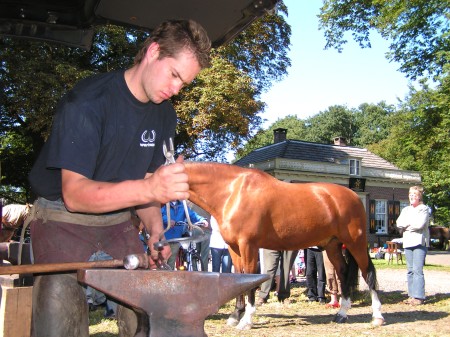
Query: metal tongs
(170, 159)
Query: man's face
(165, 77)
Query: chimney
(340, 141)
(279, 135)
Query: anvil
(177, 303)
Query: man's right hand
(169, 183)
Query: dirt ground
(300, 318)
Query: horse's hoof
(244, 326)
(378, 322)
(232, 321)
(340, 319)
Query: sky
(319, 78)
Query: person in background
(413, 222)
(272, 260)
(221, 259)
(203, 246)
(102, 160)
(333, 282)
(315, 275)
(13, 216)
(178, 214)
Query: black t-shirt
(104, 133)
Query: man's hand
(157, 257)
(169, 183)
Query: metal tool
(195, 239)
(177, 303)
(132, 261)
(169, 153)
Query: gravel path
(436, 282)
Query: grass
(303, 319)
(383, 264)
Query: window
(403, 204)
(354, 167)
(380, 216)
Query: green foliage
(368, 124)
(336, 121)
(261, 50)
(374, 123)
(419, 140)
(296, 130)
(217, 112)
(419, 30)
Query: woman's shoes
(416, 301)
(413, 301)
(333, 305)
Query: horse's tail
(351, 276)
(371, 275)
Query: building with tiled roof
(382, 186)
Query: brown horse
(254, 210)
(441, 234)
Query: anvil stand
(176, 302)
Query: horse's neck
(207, 184)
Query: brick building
(381, 186)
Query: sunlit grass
(383, 264)
(272, 320)
(100, 326)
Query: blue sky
(321, 78)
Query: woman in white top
(219, 250)
(413, 221)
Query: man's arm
(81, 194)
(150, 216)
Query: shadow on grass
(301, 313)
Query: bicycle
(188, 258)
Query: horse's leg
(368, 272)
(249, 260)
(334, 252)
(239, 310)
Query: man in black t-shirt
(102, 159)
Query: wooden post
(15, 310)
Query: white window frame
(403, 204)
(354, 167)
(381, 216)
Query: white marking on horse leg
(231, 321)
(246, 322)
(346, 304)
(341, 316)
(377, 317)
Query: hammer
(132, 261)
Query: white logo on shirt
(148, 138)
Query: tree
(367, 124)
(336, 121)
(217, 112)
(261, 51)
(419, 140)
(374, 122)
(419, 30)
(296, 130)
